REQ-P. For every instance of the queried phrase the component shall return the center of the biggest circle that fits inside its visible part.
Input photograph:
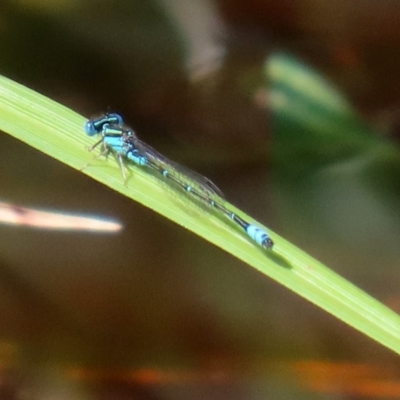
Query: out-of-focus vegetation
(116, 316)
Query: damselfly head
(96, 125)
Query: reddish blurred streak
(350, 378)
(146, 376)
(316, 376)
(11, 214)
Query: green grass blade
(58, 132)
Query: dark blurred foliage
(155, 312)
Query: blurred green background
(233, 90)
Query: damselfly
(122, 141)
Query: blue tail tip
(260, 236)
(268, 243)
